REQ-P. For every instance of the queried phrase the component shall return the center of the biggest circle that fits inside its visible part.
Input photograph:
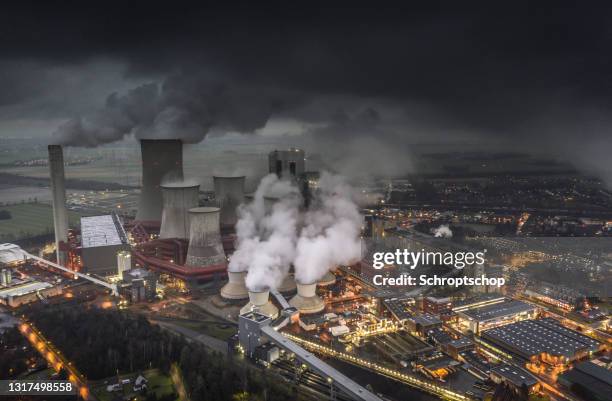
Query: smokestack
(178, 199)
(229, 192)
(162, 159)
(205, 247)
(58, 195)
(306, 300)
(260, 301)
(328, 279)
(235, 288)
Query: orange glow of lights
(107, 304)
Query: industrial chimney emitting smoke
(229, 192)
(260, 301)
(58, 196)
(306, 300)
(235, 288)
(162, 159)
(205, 247)
(178, 199)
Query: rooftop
(533, 337)
(105, 230)
(495, 311)
(515, 375)
(24, 289)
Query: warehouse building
(544, 339)
(496, 314)
(515, 377)
(102, 237)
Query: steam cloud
(330, 236)
(185, 106)
(442, 232)
(272, 236)
(267, 232)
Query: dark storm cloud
(503, 70)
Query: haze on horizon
(362, 83)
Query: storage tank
(205, 247)
(306, 300)
(58, 197)
(162, 160)
(178, 198)
(260, 301)
(235, 288)
(229, 192)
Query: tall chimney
(162, 160)
(178, 199)
(229, 192)
(306, 300)
(58, 195)
(205, 246)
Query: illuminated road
(411, 380)
(55, 358)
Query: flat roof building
(496, 314)
(102, 237)
(543, 339)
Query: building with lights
(102, 237)
(542, 340)
(491, 315)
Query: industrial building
(515, 377)
(437, 306)
(496, 314)
(555, 295)
(594, 381)
(544, 339)
(25, 292)
(11, 254)
(287, 163)
(102, 237)
(138, 285)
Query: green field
(29, 220)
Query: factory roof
(426, 320)
(515, 375)
(533, 337)
(23, 289)
(10, 253)
(498, 310)
(105, 230)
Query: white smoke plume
(266, 234)
(442, 232)
(331, 233)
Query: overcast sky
(530, 75)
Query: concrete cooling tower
(205, 247)
(235, 288)
(229, 192)
(58, 196)
(260, 301)
(328, 279)
(306, 300)
(162, 160)
(177, 199)
(288, 284)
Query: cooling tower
(260, 301)
(58, 195)
(162, 160)
(235, 287)
(229, 192)
(328, 279)
(288, 284)
(177, 199)
(306, 300)
(205, 247)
